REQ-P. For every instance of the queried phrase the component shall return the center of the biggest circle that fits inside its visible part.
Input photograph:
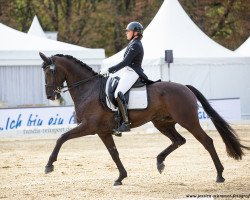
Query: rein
(68, 87)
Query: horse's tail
(230, 138)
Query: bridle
(52, 67)
(58, 89)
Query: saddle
(136, 97)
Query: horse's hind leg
(207, 142)
(177, 140)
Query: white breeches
(127, 78)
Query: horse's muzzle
(49, 97)
(54, 97)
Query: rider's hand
(104, 71)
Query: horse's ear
(45, 59)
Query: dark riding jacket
(133, 58)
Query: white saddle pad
(138, 98)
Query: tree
(101, 23)
(224, 21)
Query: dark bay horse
(169, 103)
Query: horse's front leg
(78, 131)
(110, 144)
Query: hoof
(117, 183)
(49, 169)
(220, 179)
(160, 167)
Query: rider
(130, 68)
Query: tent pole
(169, 72)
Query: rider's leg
(127, 79)
(122, 105)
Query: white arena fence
(56, 120)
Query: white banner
(21, 118)
(228, 109)
(18, 118)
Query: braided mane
(77, 61)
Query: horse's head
(53, 78)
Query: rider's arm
(133, 51)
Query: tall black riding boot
(122, 105)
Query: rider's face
(129, 34)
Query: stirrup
(117, 133)
(125, 127)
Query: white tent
(244, 49)
(20, 48)
(216, 71)
(21, 76)
(36, 29)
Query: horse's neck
(84, 89)
(75, 76)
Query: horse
(169, 104)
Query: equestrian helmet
(135, 26)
